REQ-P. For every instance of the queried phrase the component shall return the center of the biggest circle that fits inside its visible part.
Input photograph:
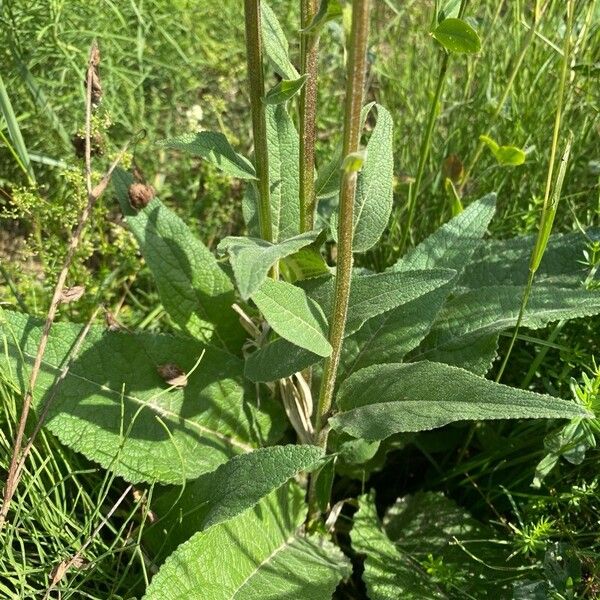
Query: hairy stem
(355, 82)
(309, 48)
(259, 122)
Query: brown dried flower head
(140, 195)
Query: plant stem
(355, 82)
(309, 48)
(549, 207)
(259, 122)
(424, 150)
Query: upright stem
(309, 48)
(259, 123)
(549, 208)
(355, 82)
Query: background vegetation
(170, 67)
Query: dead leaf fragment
(140, 195)
(172, 374)
(72, 294)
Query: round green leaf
(457, 36)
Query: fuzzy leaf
(487, 311)
(373, 199)
(388, 574)
(506, 262)
(251, 258)
(283, 144)
(115, 408)
(285, 90)
(372, 295)
(278, 359)
(275, 44)
(257, 555)
(453, 244)
(213, 147)
(193, 288)
(293, 315)
(381, 400)
(457, 36)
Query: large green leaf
(261, 554)
(193, 288)
(251, 258)
(485, 312)
(388, 573)
(506, 262)
(293, 315)
(283, 143)
(275, 44)
(452, 245)
(372, 295)
(214, 148)
(278, 358)
(390, 336)
(114, 407)
(373, 199)
(381, 400)
(223, 494)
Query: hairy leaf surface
(251, 258)
(193, 288)
(115, 408)
(381, 400)
(284, 148)
(213, 147)
(275, 44)
(260, 554)
(293, 315)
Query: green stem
(355, 83)
(259, 123)
(309, 48)
(424, 150)
(549, 208)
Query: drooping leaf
(304, 264)
(388, 574)
(275, 44)
(259, 554)
(285, 90)
(213, 147)
(293, 315)
(278, 359)
(193, 288)
(372, 295)
(457, 36)
(283, 144)
(373, 199)
(381, 400)
(506, 262)
(487, 311)
(251, 258)
(115, 408)
(505, 155)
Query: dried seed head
(453, 169)
(71, 294)
(140, 195)
(172, 374)
(95, 76)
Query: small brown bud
(172, 374)
(140, 195)
(453, 169)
